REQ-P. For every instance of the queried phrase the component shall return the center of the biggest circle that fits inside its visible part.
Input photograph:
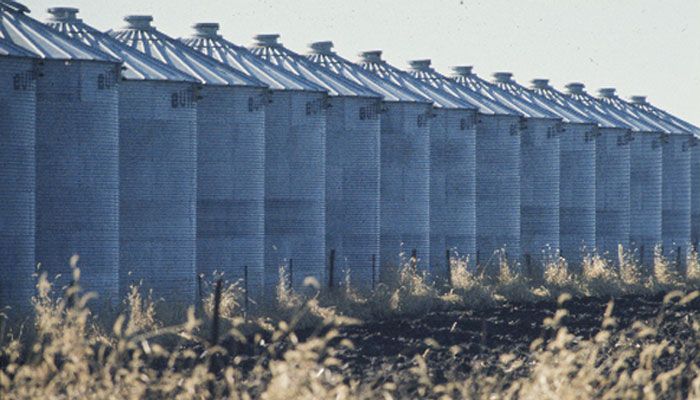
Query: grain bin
(230, 155)
(17, 177)
(77, 175)
(299, 233)
(540, 164)
(612, 172)
(497, 170)
(294, 156)
(677, 180)
(451, 151)
(645, 177)
(577, 173)
(641, 102)
(157, 166)
(353, 161)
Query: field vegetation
(609, 329)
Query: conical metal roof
(519, 98)
(207, 40)
(322, 53)
(372, 61)
(141, 35)
(33, 36)
(641, 103)
(465, 77)
(10, 50)
(429, 75)
(633, 116)
(594, 108)
(137, 66)
(269, 48)
(548, 97)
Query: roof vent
(14, 6)
(576, 88)
(463, 70)
(142, 22)
(540, 83)
(267, 40)
(206, 29)
(325, 47)
(607, 92)
(63, 14)
(639, 99)
(420, 65)
(503, 77)
(371, 56)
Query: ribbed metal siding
(295, 146)
(539, 190)
(17, 180)
(405, 185)
(77, 180)
(157, 188)
(577, 191)
(676, 194)
(452, 187)
(231, 183)
(612, 190)
(497, 186)
(695, 192)
(352, 187)
(645, 194)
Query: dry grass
(68, 355)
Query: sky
(640, 47)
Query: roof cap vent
(540, 83)
(206, 29)
(639, 99)
(463, 70)
(14, 6)
(267, 39)
(576, 88)
(371, 56)
(138, 21)
(420, 65)
(325, 47)
(503, 77)
(63, 14)
(607, 92)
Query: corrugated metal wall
(695, 194)
(497, 186)
(295, 143)
(157, 188)
(577, 191)
(405, 185)
(231, 182)
(17, 180)
(539, 190)
(645, 194)
(676, 194)
(452, 187)
(352, 187)
(77, 193)
(612, 190)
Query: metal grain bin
(297, 228)
(677, 146)
(497, 169)
(77, 176)
(612, 172)
(17, 176)
(157, 166)
(353, 161)
(577, 173)
(684, 126)
(540, 169)
(645, 179)
(293, 186)
(230, 156)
